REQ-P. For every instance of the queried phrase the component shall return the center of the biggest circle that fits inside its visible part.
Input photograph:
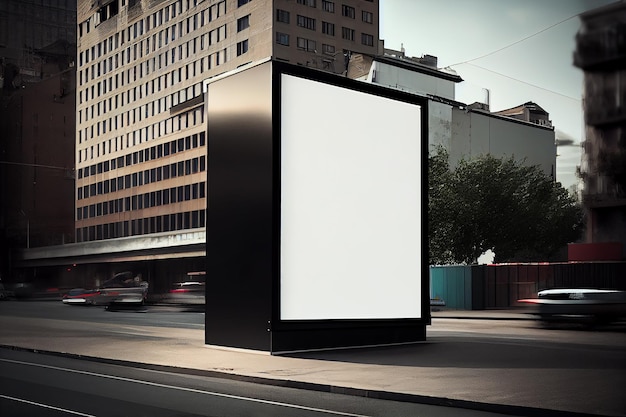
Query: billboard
(316, 211)
(350, 204)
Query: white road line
(65, 410)
(196, 391)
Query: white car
(596, 306)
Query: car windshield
(123, 279)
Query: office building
(141, 154)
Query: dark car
(4, 294)
(594, 306)
(123, 288)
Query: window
(328, 6)
(242, 47)
(347, 33)
(328, 28)
(310, 3)
(242, 2)
(306, 44)
(367, 39)
(368, 17)
(282, 16)
(282, 39)
(347, 11)
(243, 23)
(306, 22)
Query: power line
(519, 41)
(523, 82)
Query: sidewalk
(430, 372)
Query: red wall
(602, 251)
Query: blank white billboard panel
(350, 243)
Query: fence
(480, 287)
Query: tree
(499, 204)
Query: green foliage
(498, 204)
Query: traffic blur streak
(589, 306)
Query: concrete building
(528, 112)
(37, 111)
(140, 138)
(601, 54)
(394, 69)
(465, 131)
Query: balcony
(601, 49)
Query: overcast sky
(537, 69)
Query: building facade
(528, 112)
(141, 149)
(601, 54)
(37, 110)
(465, 131)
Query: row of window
(329, 6)
(148, 154)
(158, 62)
(149, 176)
(157, 224)
(143, 201)
(311, 45)
(328, 28)
(151, 108)
(156, 19)
(192, 118)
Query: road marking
(193, 390)
(65, 410)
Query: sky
(464, 34)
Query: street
(154, 361)
(44, 385)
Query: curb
(512, 410)
(451, 316)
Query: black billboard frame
(243, 287)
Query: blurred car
(80, 296)
(4, 294)
(23, 289)
(190, 291)
(122, 288)
(593, 306)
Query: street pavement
(389, 373)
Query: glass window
(242, 47)
(328, 28)
(347, 33)
(367, 39)
(348, 11)
(306, 22)
(282, 16)
(306, 44)
(243, 23)
(368, 17)
(282, 39)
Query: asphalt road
(492, 361)
(50, 386)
